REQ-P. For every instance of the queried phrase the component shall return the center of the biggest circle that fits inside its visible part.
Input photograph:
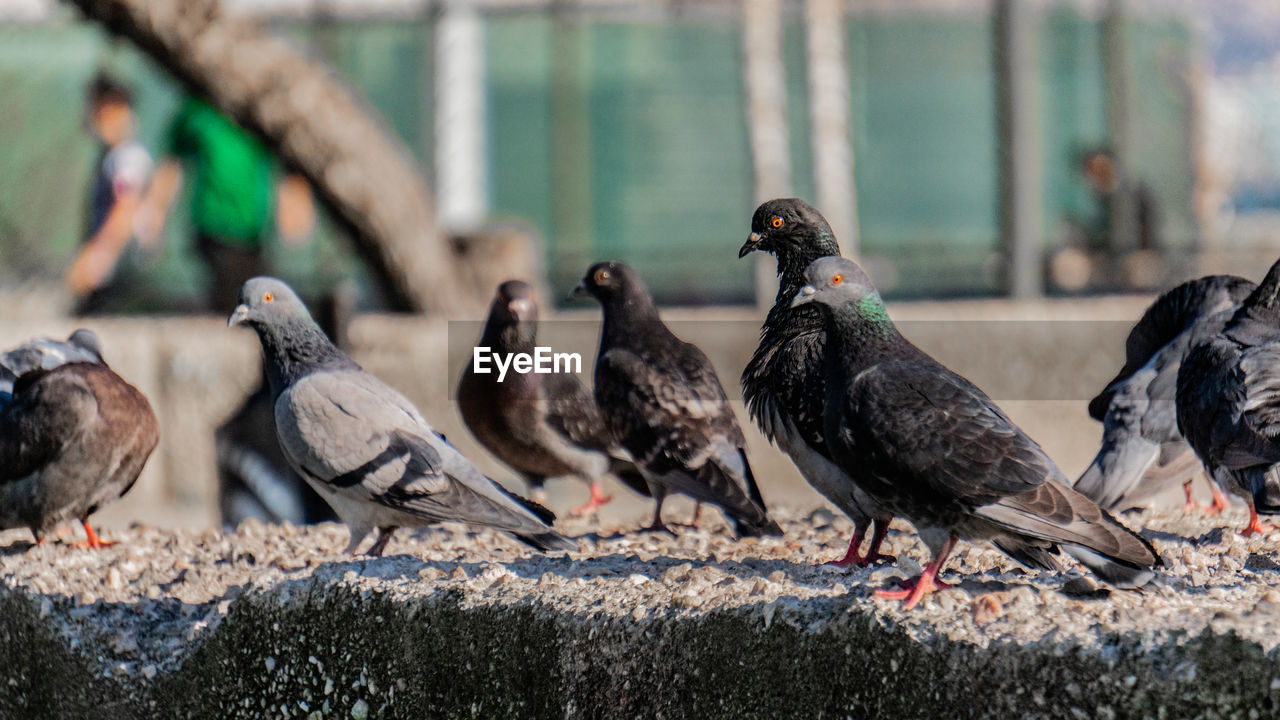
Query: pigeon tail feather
(542, 512)
(1114, 571)
(546, 541)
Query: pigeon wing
(666, 420)
(43, 419)
(938, 435)
(365, 440)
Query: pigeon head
(1264, 302)
(838, 282)
(293, 345)
(612, 283)
(86, 339)
(514, 303)
(266, 301)
(793, 231)
(513, 316)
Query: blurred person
(99, 274)
(231, 198)
(1103, 178)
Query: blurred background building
(1120, 144)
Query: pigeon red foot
(924, 583)
(853, 558)
(92, 541)
(1256, 527)
(593, 505)
(1220, 501)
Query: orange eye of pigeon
(602, 276)
(837, 279)
(776, 221)
(268, 297)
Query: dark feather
(662, 401)
(930, 446)
(74, 438)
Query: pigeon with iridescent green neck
(930, 446)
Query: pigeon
(662, 401)
(1142, 451)
(82, 346)
(364, 447)
(541, 424)
(930, 446)
(1228, 402)
(254, 477)
(72, 439)
(783, 382)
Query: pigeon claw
(914, 589)
(91, 541)
(1220, 502)
(851, 556)
(924, 583)
(592, 506)
(1256, 527)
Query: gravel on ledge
(139, 609)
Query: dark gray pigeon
(542, 425)
(662, 400)
(1142, 452)
(365, 448)
(783, 382)
(929, 446)
(73, 439)
(46, 353)
(1229, 402)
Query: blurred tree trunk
(315, 123)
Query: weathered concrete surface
(1041, 360)
(271, 622)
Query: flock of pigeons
(877, 426)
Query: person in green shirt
(231, 198)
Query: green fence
(627, 139)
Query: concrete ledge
(269, 622)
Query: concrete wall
(1041, 360)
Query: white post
(1021, 179)
(765, 80)
(461, 167)
(831, 118)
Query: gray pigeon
(1142, 452)
(662, 400)
(929, 446)
(1229, 402)
(364, 447)
(47, 353)
(71, 440)
(541, 424)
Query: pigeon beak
(240, 315)
(578, 292)
(805, 296)
(519, 305)
(750, 245)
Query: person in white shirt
(117, 195)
